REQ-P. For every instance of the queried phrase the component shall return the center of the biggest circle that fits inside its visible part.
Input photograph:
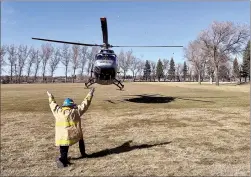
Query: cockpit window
(112, 57)
(99, 57)
(109, 57)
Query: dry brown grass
(196, 130)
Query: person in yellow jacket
(68, 129)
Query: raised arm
(82, 108)
(53, 105)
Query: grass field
(161, 129)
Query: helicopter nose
(105, 63)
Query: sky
(129, 23)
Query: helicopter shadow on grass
(144, 99)
(126, 147)
(157, 99)
(149, 99)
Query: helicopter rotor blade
(149, 46)
(65, 42)
(104, 30)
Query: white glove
(49, 94)
(51, 97)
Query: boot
(61, 163)
(82, 149)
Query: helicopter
(105, 66)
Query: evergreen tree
(171, 71)
(185, 69)
(236, 71)
(246, 62)
(159, 70)
(147, 70)
(224, 73)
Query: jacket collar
(66, 108)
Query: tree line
(211, 56)
(213, 50)
(28, 62)
(207, 58)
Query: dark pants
(64, 151)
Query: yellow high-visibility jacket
(68, 129)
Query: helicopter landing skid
(118, 84)
(90, 82)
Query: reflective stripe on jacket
(68, 129)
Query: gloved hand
(51, 97)
(49, 94)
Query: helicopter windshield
(109, 57)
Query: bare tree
(196, 56)
(189, 71)
(223, 39)
(179, 71)
(193, 73)
(22, 55)
(210, 70)
(2, 54)
(12, 58)
(230, 68)
(66, 56)
(140, 67)
(134, 66)
(165, 68)
(83, 59)
(153, 69)
(30, 62)
(91, 58)
(47, 51)
(120, 59)
(54, 61)
(75, 60)
(125, 61)
(203, 70)
(224, 72)
(37, 62)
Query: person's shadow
(120, 149)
